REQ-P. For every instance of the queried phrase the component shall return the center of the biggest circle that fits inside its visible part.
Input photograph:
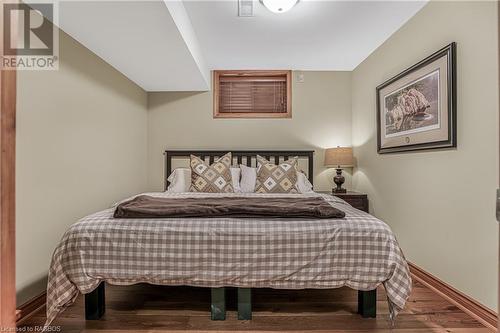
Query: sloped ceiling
(172, 45)
(149, 42)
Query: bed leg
(95, 303)
(244, 303)
(367, 303)
(218, 305)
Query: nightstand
(355, 199)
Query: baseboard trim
(29, 308)
(481, 313)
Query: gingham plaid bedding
(358, 251)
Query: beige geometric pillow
(272, 178)
(214, 178)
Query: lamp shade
(340, 156)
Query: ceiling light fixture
(279, 6)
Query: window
(252, 94)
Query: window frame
(216, 90)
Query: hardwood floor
(153, 309)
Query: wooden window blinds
(252, 94)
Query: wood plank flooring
(154, 309)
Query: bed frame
(240, 156)
(367, 300)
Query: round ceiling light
(279, 6)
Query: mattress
(358, 251)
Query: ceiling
(314, 35)
(172, 45)
(146, 41)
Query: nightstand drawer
(355, 199)
(358, 203)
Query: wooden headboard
(239, 155)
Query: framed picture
(417, 108)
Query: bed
(358, 251)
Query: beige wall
(440, 204)
(81, 145)
(321, 108)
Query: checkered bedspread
(358, 251)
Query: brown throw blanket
(145, 206)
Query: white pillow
(249, 178)
(180, 180)
(303, 184)
(235, 176)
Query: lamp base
(339, 180)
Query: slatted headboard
(239, 156)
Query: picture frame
(417, 109)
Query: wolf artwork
(413, 108)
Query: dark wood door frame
(7, 194)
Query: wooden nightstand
(355, 199)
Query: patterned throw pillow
(214, 178)
(272, 178)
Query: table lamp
(339, 157)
